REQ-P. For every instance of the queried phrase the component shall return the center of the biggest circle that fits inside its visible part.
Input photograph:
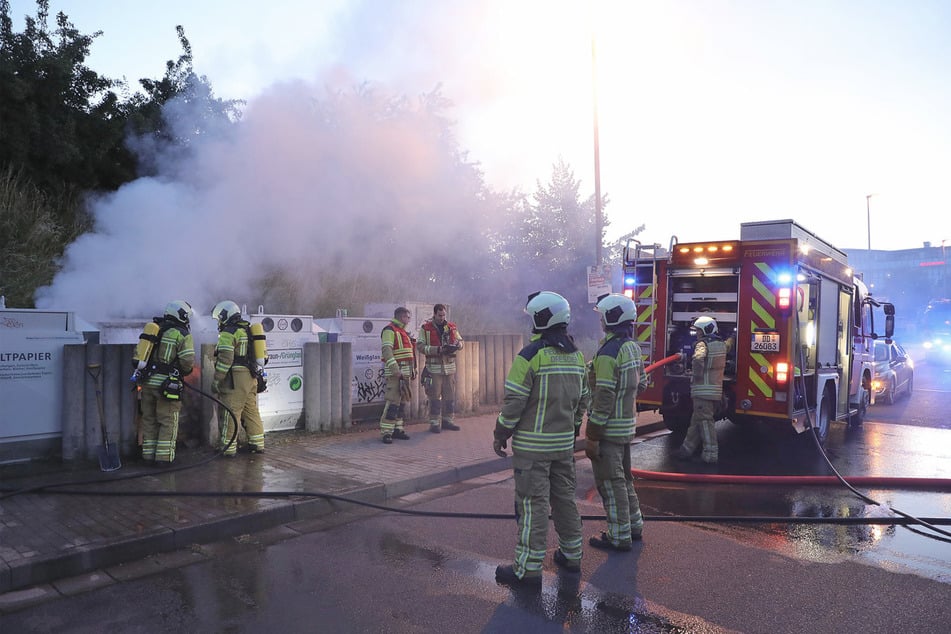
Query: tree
(34, 232)
(175, 112)
(63, 133)
(61, 121)
(547, 242)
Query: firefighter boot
(448, 424)
(604, 543)
(683, 454)
(506, 576)
(571, 565)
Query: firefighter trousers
(159, 425)
(540, 486)
(243, 401)
(702, 430)
(615, 482)
(399, 391)
(442, 398)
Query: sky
(710, 113)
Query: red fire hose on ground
(863, 481)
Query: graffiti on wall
(369, 385)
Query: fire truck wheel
(865, 399)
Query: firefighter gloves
(500, 443)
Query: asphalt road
(397, 573)
(367, 571)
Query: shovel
(108, 452)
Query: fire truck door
(845, 349)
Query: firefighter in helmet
(439, 340)
(545, 398)
(615, 378)
(399, 368)
(706, 392)
(164, 357)
(236, 379)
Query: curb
(25, 578)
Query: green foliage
(547, 242)
(35, 229)
(59, 117)
(175, 111)
(64, 131)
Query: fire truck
(799, 326)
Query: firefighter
(399, 368)
(165, 363)
(439, 340)
(706, 392)
(545, 398)
(236, 379)
(615, 378)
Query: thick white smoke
(313, 183)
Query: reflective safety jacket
(709, 359)
(399, 357)
(174, 349)
(431, 339)
(232, 351)
(617, 377)
(545, 397)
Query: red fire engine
(801, 323)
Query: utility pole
(868, 216)
(597, 153)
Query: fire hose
(905, 520)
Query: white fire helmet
(179, 310)
(224, 311)
(616, 309)
(547, 309)
(705, 326)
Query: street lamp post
(597, 154)
(868, 219)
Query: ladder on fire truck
(642, 263)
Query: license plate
(765, 342)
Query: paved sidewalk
(46, 537)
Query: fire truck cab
(800, 325)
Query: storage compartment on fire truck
(692, 293)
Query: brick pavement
(46, 537)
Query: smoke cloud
(318, 185)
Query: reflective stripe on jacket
(397, 351)
(176, 349)
(709, 359)
(431, 340)
(618, 376)
(233, 343)
(545, 398)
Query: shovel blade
(109, 457)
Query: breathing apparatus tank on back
(177, 312)
(259, 345)
(147, 341)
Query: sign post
(599, 282)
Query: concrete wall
(481, 369)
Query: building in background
(909, 278)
